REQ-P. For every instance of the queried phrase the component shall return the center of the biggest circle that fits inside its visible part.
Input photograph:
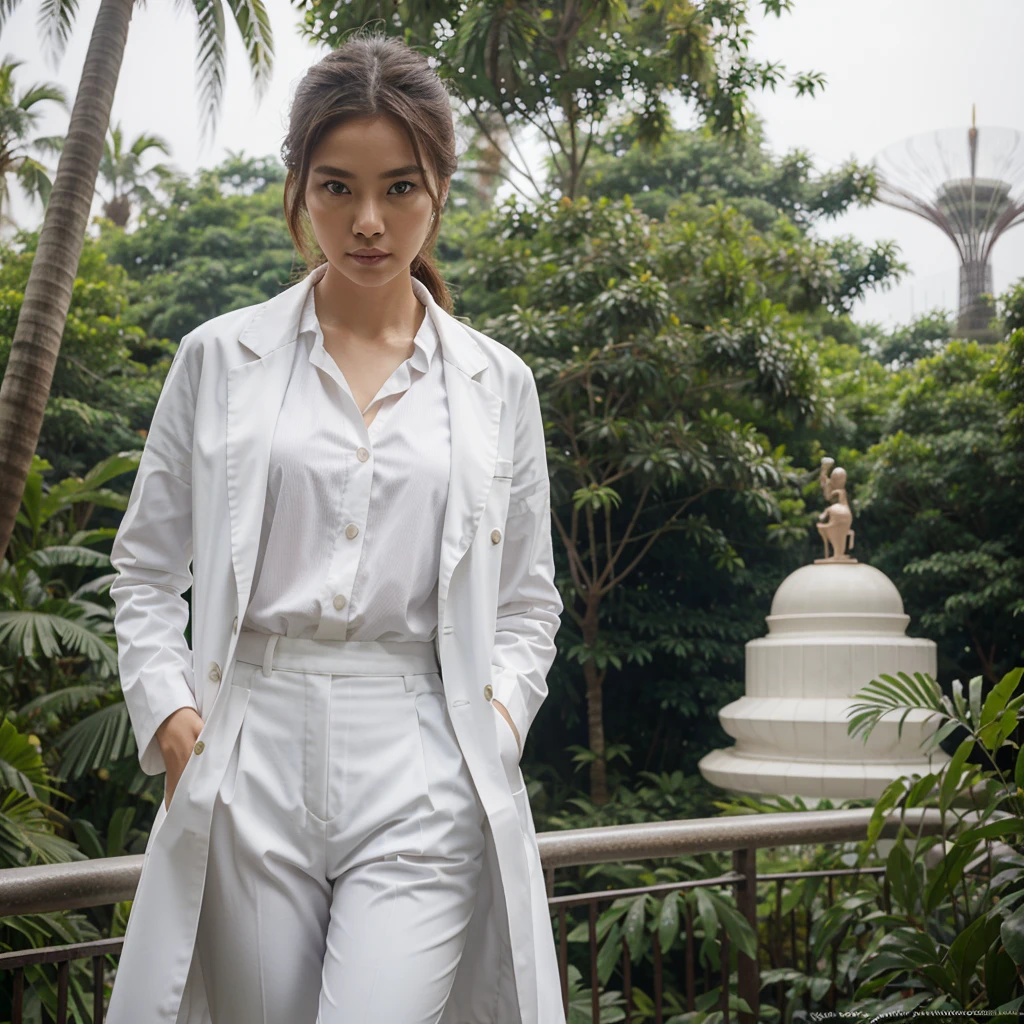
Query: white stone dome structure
(834, 626)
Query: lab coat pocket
(508, 751)
(447, 780)
(182, 781)
(522, 801)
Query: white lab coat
(193, 519)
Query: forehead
(365, 144)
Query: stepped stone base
(833, 627)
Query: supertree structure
(971, 186)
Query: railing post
(744, 862)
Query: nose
(367, 221)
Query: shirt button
(214, 671)
(495, 536)
(339, 601)
(351, 530)
(488, 691)
(362, 454)
(199, 747)
(234, 624)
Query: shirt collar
(425, 341)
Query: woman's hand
(177, 735)
(508, 718)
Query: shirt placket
(337, 604)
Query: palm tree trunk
(37, 338)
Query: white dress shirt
(350, 544)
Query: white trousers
(346, 841)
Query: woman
(354, 485)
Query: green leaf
(994, 829)
(902, 877)
(1000, 694)
(995, 733)
(1000, 974)
(609, 954)
(968, 949)
(634, 926)
(945, 876)
(668, 920)
(974, 696)
(921, 789)
(1012, 934)
(951, 779)
(996, 699)
(707, 916)
(886, 802)
(737, 927)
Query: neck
(388, 311)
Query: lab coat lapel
(255, 393)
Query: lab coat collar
(275, 323)
(425, 342)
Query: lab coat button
(488, 691)
(351, 530)
(495, 536)
(234, 624)
(214, 671)
(339, 601)
(362, 454)
(199, 747)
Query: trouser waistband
(337, 657)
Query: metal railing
(105, 881)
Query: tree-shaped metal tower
(971, 185)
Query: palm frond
(97, 741)
(895, 693)
(64, 701)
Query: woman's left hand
(508, 718)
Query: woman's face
(365, 192)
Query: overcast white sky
(894, 68)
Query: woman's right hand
(176, 736)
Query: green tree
(37, 337)
(656, 347)
(208, 246)
(938, 500)
(109, 374)
(739, 170)
(123, 176)
(900, 347)
(561, 68)
(19, 115)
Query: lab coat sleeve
(529, 604)
(152, 554)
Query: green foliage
(19, 151)
(67, 752)
(58, 668)
(103, 391)
(901, 347)
(937, 503)
(206, 247)
(952, 930)
(666, 361)
(518, 62)
(705, 168)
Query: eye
(412, 186)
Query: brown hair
(371, 75)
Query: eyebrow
(337, 172)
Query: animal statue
(834, 522)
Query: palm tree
(121, 171)
(37, 337)
(18, 118)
